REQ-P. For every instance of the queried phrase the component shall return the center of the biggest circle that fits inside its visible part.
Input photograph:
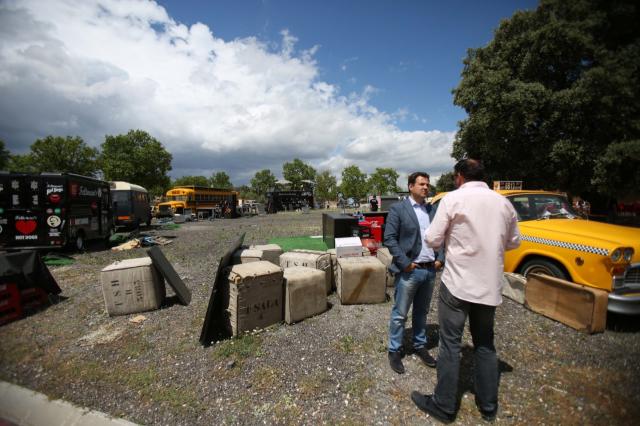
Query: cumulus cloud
(89, 68)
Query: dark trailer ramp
(52, 210)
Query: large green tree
(220, 180)
(445, 183)
(297, 171)
(554, 98)
(384, 181)
(326, 186)
(67, 155)
(5, 155)
(354, 182)
(191, 181)
(136, 157)
(262, 182)
(21, 163)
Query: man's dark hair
(415, 175)
(470, 169)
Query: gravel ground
(328, 369)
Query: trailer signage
(53, 221)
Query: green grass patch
(239, 348)
(305, 243)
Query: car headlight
(616, 255)
(628, 254)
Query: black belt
(425, 265)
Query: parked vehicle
(131, 206)
(201, 200)
(52, 210)
(556, 241)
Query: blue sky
(410, 51)
(241, 86)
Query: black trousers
(452, 315)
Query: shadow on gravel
(623, 323)
(465, 381)
(432, 338)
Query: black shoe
(424, 355)
(489, 416)
(426, 404)
(395, 361)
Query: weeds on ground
(238, 348)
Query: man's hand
(411, 267)
(438, 265)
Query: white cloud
(93, 68)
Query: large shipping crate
(580, 307)
(246, 255)
(305, 293)
(254, 296)
(513, 286)
(386, 258)
(361, 280)
(270, 252)
(311, 259)
(132, 285)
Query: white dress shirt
(476, 225)
(426, 253)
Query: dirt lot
(328, 369)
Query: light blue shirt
(426, 254)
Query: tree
(191, 180)
(445, 183)
(138, 158)
(65, 155)
(5, 155)
(246, 193)
(354, 182)
(297, 171)
(617, 172)
(326, 186)
(220, 180)
(555, 95)
(21, 163)
(262, 182)
(383, 181)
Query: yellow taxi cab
(557, 241)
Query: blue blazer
(402, 235)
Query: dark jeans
(452, 314)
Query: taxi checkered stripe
(571, 246)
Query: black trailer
(53, 210)
(289, 200)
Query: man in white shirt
(476, 225)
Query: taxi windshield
(542, 206)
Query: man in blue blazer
(414, 265)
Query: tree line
(139, 158)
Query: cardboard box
(348, 246)
(513, 286)
(254, 296)
(270, 252)
(386, 258)
(311, 259)
(580, 307)
(245, 255)
(132, 285)
(361, 280)
(305, 294)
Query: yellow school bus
(200, 201)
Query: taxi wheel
(544, 266)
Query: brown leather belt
(425, 265)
